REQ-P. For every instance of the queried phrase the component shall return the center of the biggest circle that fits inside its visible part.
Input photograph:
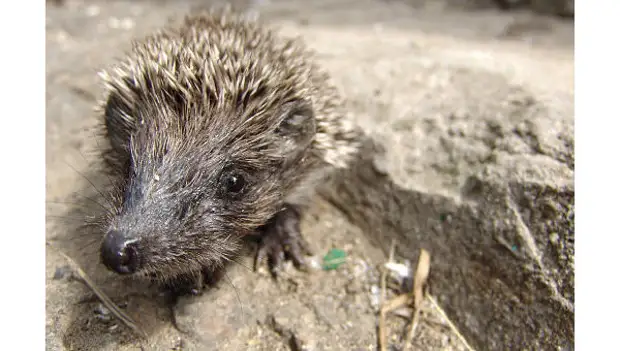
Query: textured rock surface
(472, 114)
(478, 164)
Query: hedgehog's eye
(234, 183)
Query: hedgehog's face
(191, 197)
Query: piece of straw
(124, 317)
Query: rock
(485, 184)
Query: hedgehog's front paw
(191, 284)
(281, 239)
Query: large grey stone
(480, 173)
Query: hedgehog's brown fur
(218, 83)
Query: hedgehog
(219, 129)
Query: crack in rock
(501, 295)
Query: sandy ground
(368, 46)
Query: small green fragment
(333, 259)
(443, 217)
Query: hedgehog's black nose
(119, 255)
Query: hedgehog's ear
(297, 126)
(118, 121)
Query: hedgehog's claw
(281, 239)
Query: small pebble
(401, 270)
(313, 263)
(554, 238)
(102, 310)
(375, 296)
(61, 272)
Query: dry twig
(415, 298)
(124, 317)
(452, 326)
(419, 282)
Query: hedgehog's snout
(120, 254)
